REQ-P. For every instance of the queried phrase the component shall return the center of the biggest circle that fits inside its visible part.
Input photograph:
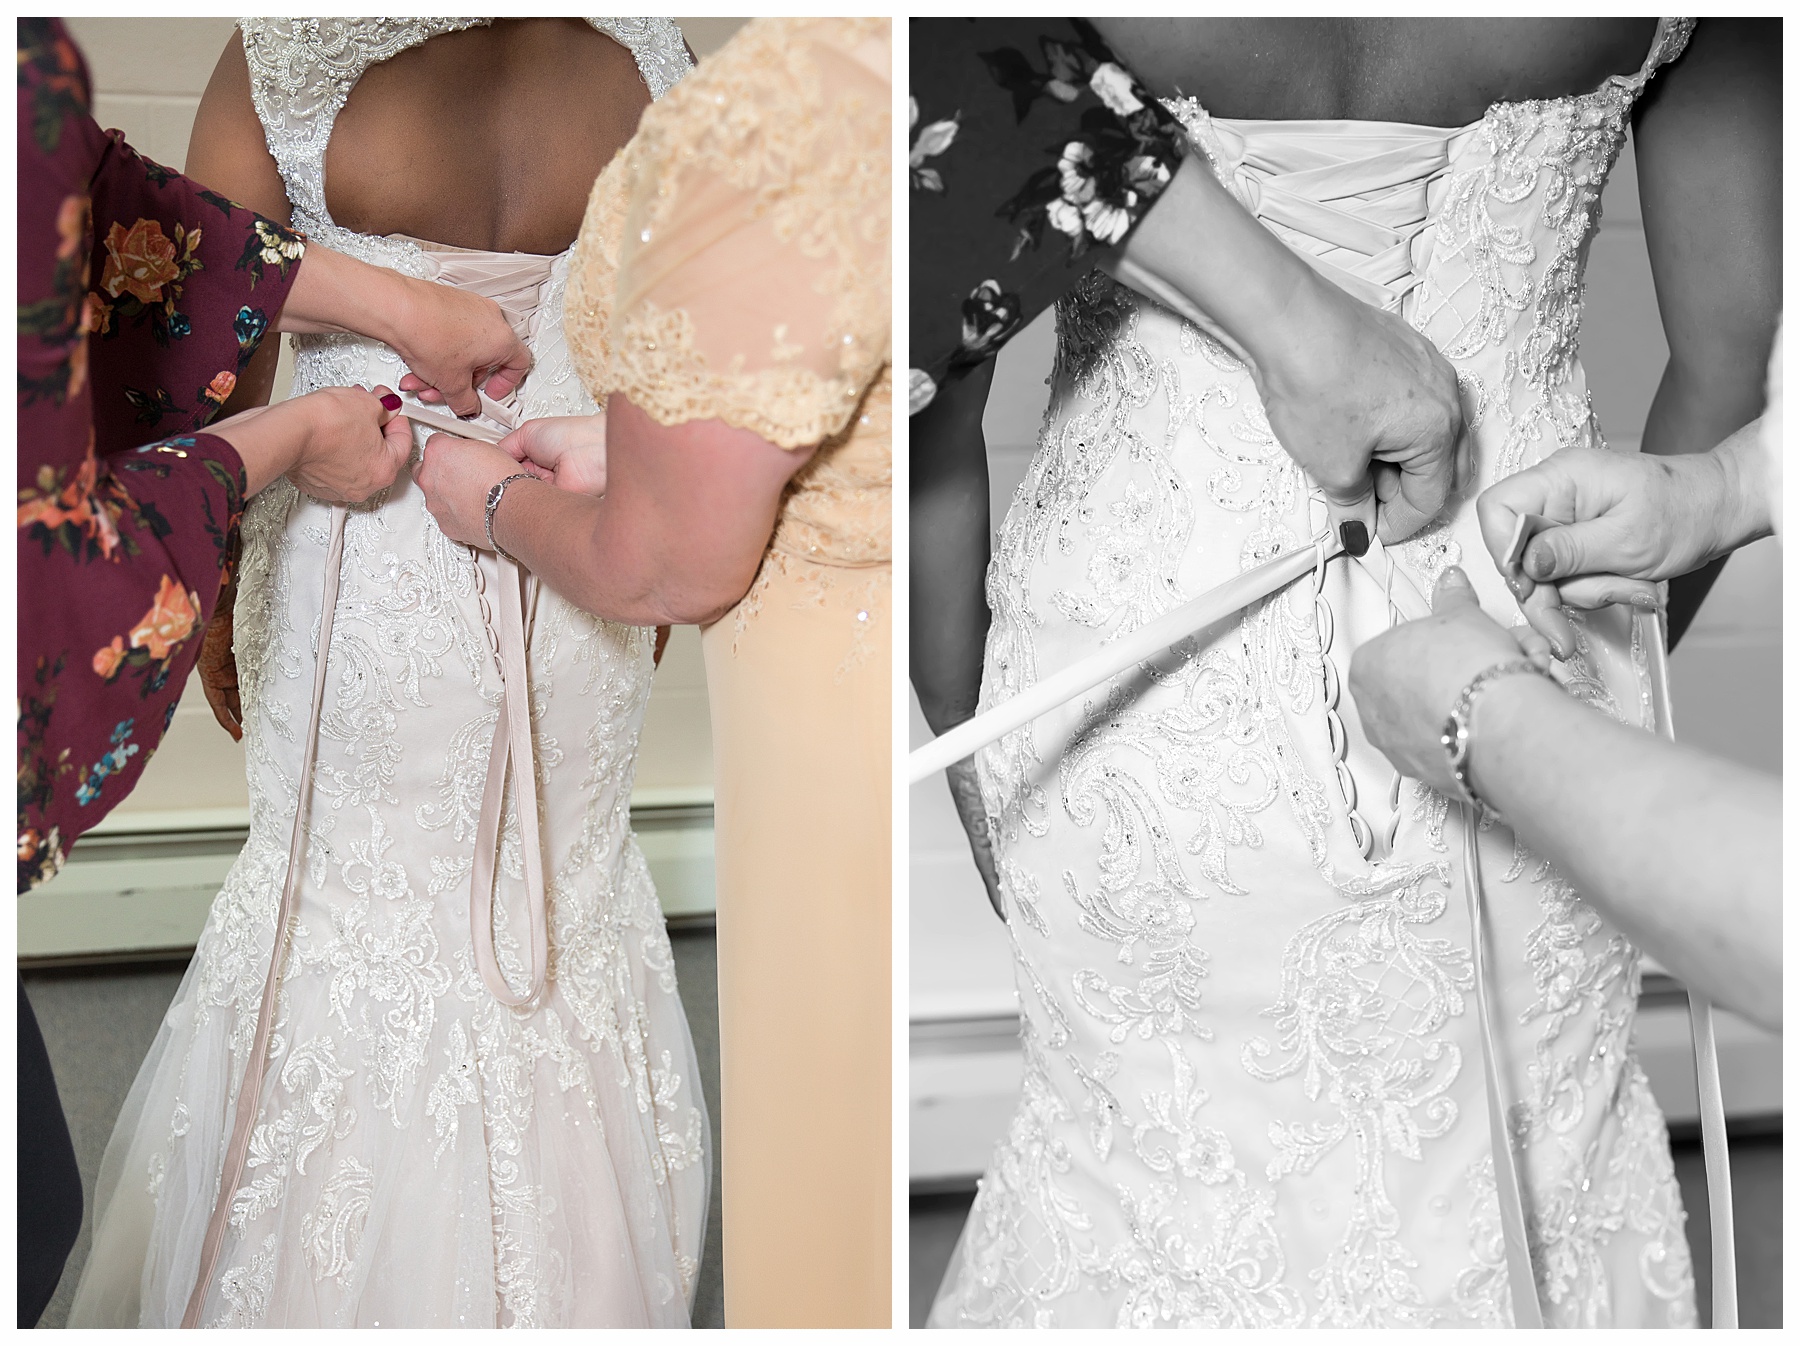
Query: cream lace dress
(734, 264)
(423, 1155)
(1254, 1088)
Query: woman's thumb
(514, 444)
(391, 402)
(1453, 591)
(1354, 505)
(1565, 550)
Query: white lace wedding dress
(1254, 1087)
(423, 1155)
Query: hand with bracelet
(677, 544)
(1679, 849)
(465, 481)
(1410, 682)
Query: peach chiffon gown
(734, 264)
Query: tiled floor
(99, 1023)
(1756, 1211)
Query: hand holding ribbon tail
(1216, 604)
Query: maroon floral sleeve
(141, 297)
(1033, 153)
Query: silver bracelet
(495, 494)
(1455, 737)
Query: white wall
(1726, 678)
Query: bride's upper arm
(1708, 140)
(227, 151)
(694, 503)
(228, 154)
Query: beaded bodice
(1361, 200)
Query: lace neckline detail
(1669, 41)
(302, 72)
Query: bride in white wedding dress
(424, 1152)
(1253, 1088)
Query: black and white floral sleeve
(1033, 151)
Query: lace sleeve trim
(822, 168)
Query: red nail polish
(391, 401)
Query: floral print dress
(1033, 151)
(141, 297)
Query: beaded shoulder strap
(1670, 41)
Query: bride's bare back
(1433, 72)
(486, 138)
(489, 138)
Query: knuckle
(1335, 475)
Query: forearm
(1743, 467)
(1706, 132)
(642, 565)
(1693, 410)
(951, 530)
(1680, 850)
(270, 442)
(677, 537)
(1698, 508)
(335, 293)
(1203, 255)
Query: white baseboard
(141, 884)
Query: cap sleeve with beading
(734, 260)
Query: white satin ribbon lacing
(1521, 1281)
(1519, 1274)
(1713, 1141)
(249, 1094)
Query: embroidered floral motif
(333, 1229)
(1104, 180)
(929, 141)
(1365, 999)
(123, 750)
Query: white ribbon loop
(512, 746)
